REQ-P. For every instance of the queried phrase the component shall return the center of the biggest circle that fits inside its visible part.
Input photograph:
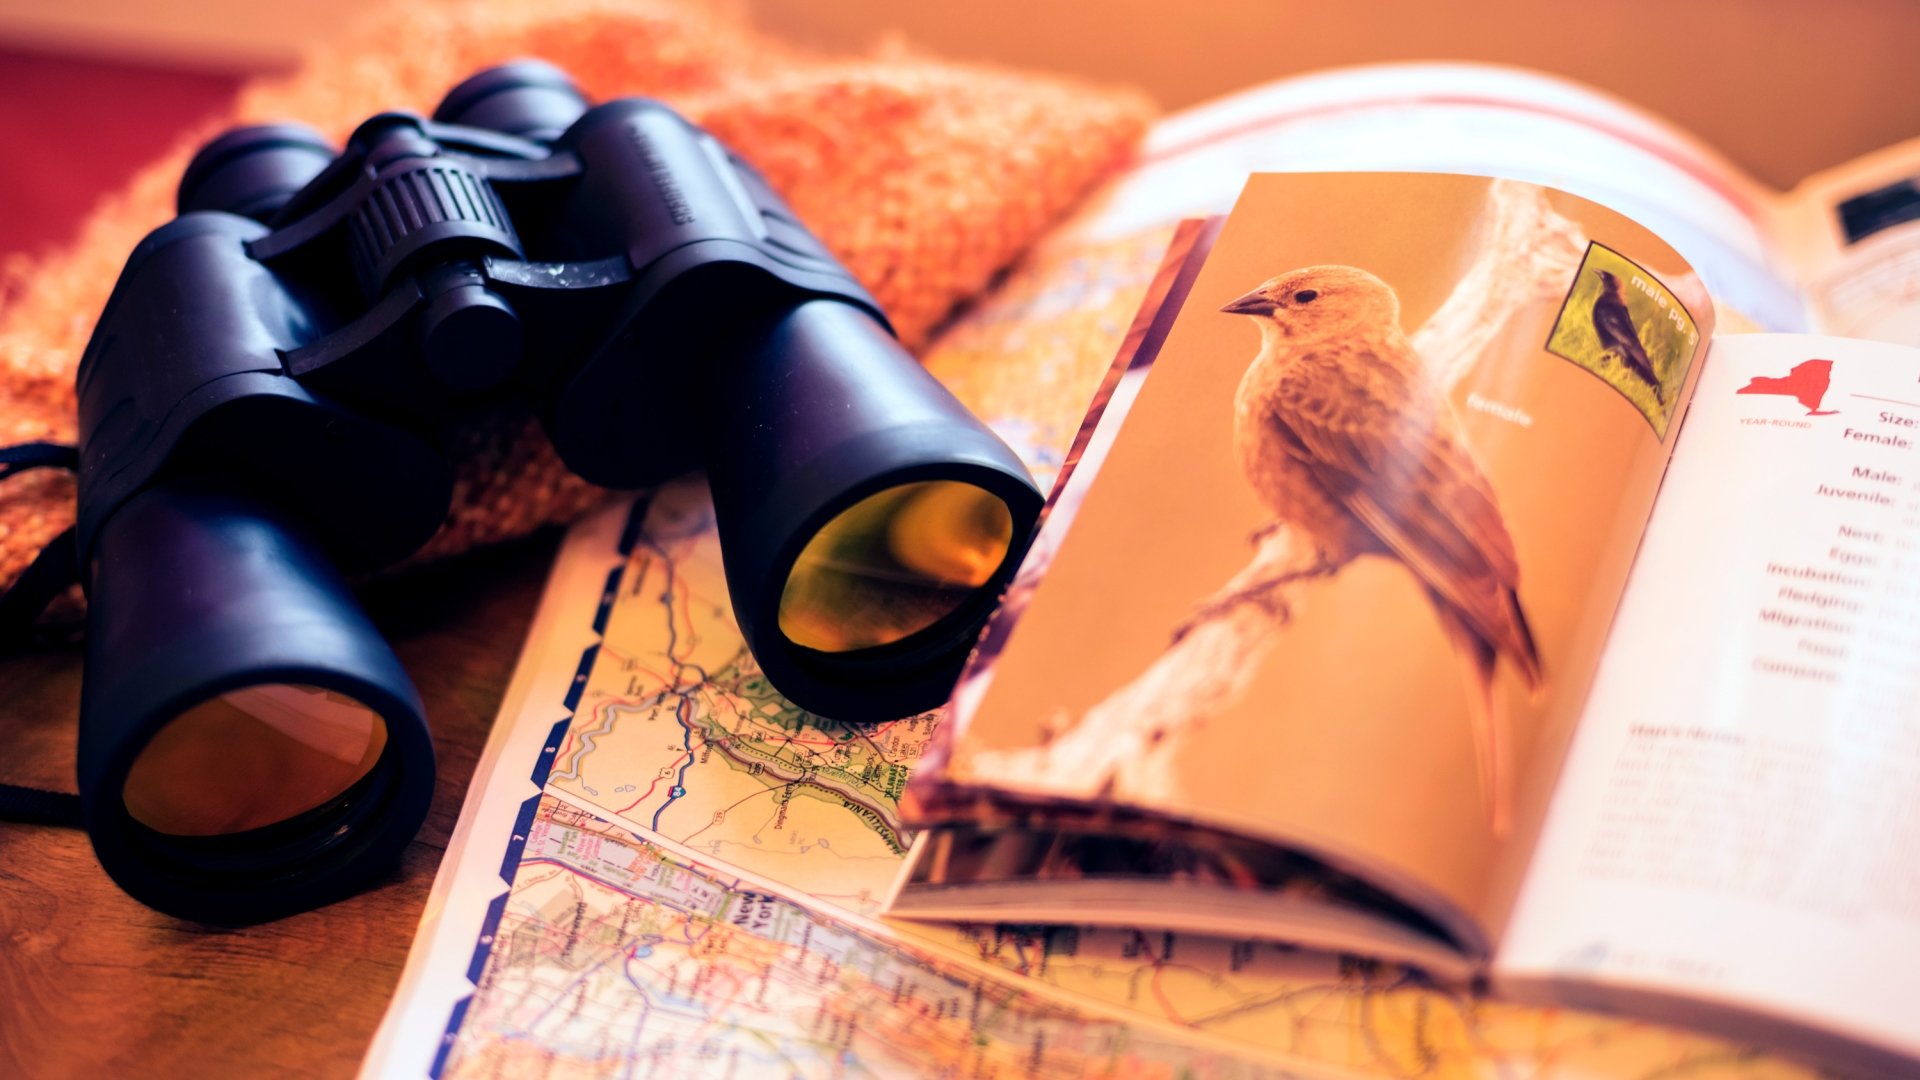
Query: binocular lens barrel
(529, 98)
(867, 520)
(249, 745)
(254, 171)
(893, 564)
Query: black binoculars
(261, 411)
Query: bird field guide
(1445, 579)
(1434, 586)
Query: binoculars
(261, 412)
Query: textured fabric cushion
(927, 178)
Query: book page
(1483, 120)
(1356, 619)
(1739, 814)
(1854, 234)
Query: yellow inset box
(1623, 325)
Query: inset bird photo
(1621, 323)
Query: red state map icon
(1806, 384)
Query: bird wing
(1378, 438)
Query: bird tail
(1486, 713)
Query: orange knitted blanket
(926, 178)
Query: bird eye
(1304, 296)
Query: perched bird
(1613, 324)
(1345, 438)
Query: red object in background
(75, 128)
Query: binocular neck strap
(51, 573)
(56, 568)
(34, 806)
(20, 457)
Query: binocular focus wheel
(254, 171)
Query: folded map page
(575, 940)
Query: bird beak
(1254, 303)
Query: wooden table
(92, 984)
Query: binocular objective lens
(893, 564)
(252, 757)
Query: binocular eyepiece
(262, 406)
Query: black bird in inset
(1613, 324)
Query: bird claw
(1267, 531)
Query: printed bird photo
(1623, 324)
(1346, 438)
(1341, 574)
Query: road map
(614, 956)
(665, 869)
(676, 730)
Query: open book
(659, 860)
(1435, 586)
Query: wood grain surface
(92, 984)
